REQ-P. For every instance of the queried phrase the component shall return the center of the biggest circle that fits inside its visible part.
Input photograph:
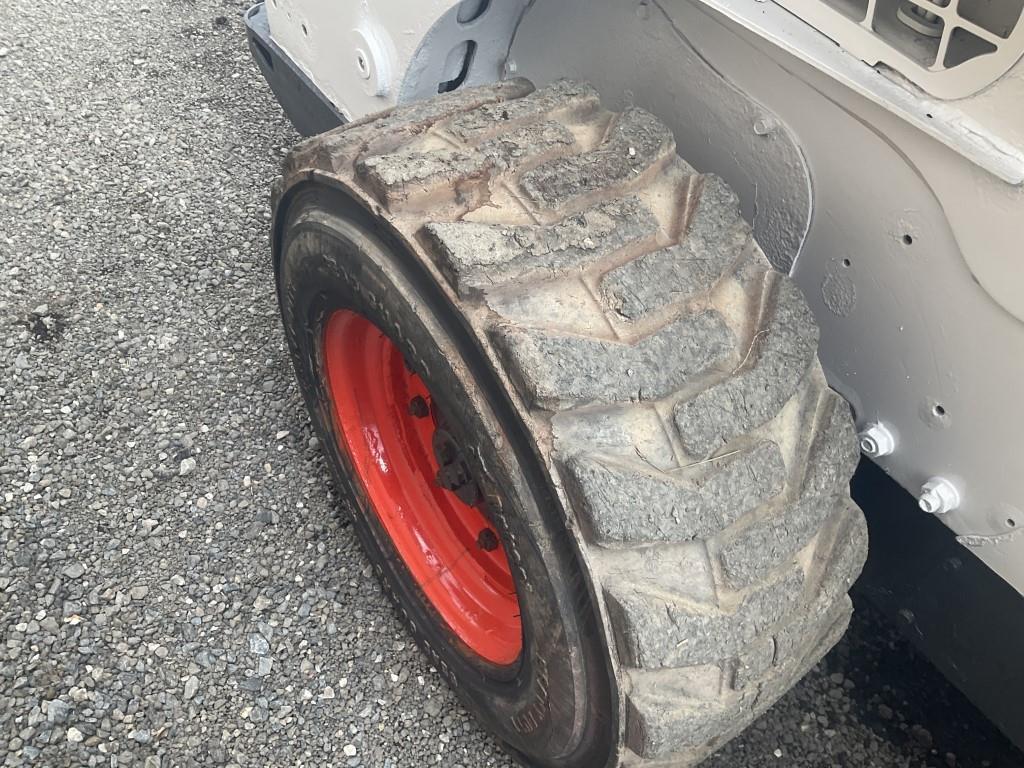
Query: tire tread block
(663, 723)
(632, 503)
(777, 536)
(714, 240)
(637, 142)
(414, 171)
(339, 148)
(555, 371)
(558, 98)
(476, 256)
(657, 630)
(779, 356)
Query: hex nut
(876, 440)
(938, 496)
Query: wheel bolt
(419, 408)
(487, 540)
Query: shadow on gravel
(873, 701)
(900, 694)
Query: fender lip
(308, 109)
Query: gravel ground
(177, 587)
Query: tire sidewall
(554, 705)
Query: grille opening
(913, 43)
(999, 17)
(855, 10)
(471, 10)
(964, 46)
(456, 66)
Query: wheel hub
(454, 474)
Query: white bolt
(876, 440)
(511, 67)
(938, 496)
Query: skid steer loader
(596, 305)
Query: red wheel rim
(449, 546)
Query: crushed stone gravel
(178, 587)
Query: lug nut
(419, 408)
(487, 540)
(938, 496)
(876, 440)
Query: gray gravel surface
(177, 585)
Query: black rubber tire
(671, 469)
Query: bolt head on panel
(876, 440)
(938, 496)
